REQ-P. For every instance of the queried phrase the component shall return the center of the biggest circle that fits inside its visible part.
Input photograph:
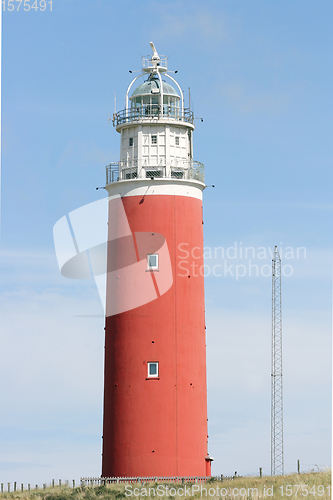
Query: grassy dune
(311, 485)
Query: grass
(311, 485)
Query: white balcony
(134, 170)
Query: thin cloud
(241, 99)
(184, 21)
(285, 205)
(85, 154)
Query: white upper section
(155, 144)
(156, 130)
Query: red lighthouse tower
(155, 395)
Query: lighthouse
(155, 391)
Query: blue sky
(260, 76)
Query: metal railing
(147, 62)
(134, 169)
(93, 481)
(152, 111)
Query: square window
(177, 141)
(152, 261)
(154, 139)
(153, 369)
(131, 141)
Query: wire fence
(100, 481)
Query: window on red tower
(152, 369)
(152, 261)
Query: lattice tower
(277, 466)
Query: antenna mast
(277, 466)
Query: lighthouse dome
(152, 86)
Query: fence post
(8, 487)
(22, 487)
(44, 486)
(15, 486)
(36, 487)
(73, 483)
(60, 483)
(298, 467)
(29, 488)
(52, 483)
(260, 471)
(1, 487)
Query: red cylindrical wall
(158, 426)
